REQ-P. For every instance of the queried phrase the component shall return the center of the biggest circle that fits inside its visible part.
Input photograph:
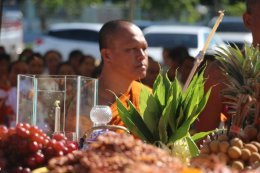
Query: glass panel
(38, 95)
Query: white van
(65, 37)
(232, 30)
(169, 36)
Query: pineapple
(242, 70)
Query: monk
(125, 61)
(251, 19)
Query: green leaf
(175, 92)
(194, 150)
(125, 117)
(201, 135)
(138, 121)
(159, 90)
(143, 99)
(163, 128)
(203, 102)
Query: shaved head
(110, 30)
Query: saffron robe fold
(133, 95)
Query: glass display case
(56, 103)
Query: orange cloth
(133, 96)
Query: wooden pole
(201, 54)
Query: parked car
(193, 37)
(65, 37)
(232, 30)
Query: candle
(57, 116)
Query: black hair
(5, 56)
(179, 54)
(74, 53)
(33, 56)
(52, 51)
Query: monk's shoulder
(137, 86)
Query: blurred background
(24, 22)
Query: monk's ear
(247, 20)
(105, 53)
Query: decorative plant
(167, 113)
(242, 70)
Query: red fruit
(26, 170)
(31, 162)
(71, 147)
(58, 136)
(2, 163)
(3, 131)
(11, 131)
(34, 146)
(39, 158)
(22, 132)
(22, 146)
(34, 129)
(49, 152)
(59, 153)
(26, 126)
(59, 146)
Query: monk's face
(127, 52)
(252, 21)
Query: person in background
(10, 104)
(215, 111)
(65, 68)
(26, 53)
(180, 61)
(4, 86)
(36, 64)
(5, 60)
(251, 19)
(125, 60)
(215, 107)
(52, 59)
(152, 72)
(74, 59)
(87, 66)
(167, 62)
(2, 50)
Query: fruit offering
(117, 153)
(26, 147)
(233, 151)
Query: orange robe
(133, 95)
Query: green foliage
(168, 112)
(183, 11)
(70, 7)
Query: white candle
(57, 116)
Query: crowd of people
(30, 62)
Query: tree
(69, 8)
(183, 11)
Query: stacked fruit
(26, 147)
(233, 151)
